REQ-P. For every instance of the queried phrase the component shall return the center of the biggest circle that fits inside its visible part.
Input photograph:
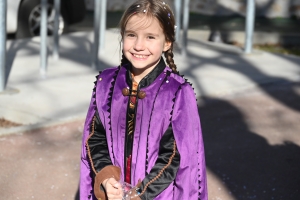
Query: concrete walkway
(63, 95)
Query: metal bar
(96, 33)
(186, 15)
(3, 5)
(178, 19)
(43, 37)
(55, 52)
(250, 19)
(102, 23)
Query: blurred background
(218, 20)
(248, 102)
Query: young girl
(142, 125)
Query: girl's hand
(113, 188)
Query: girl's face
(143, 43)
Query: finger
(114, 196)
(112, 190)
(115, 183)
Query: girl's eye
(151, 37)
(130, 35)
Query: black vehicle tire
(28, 19)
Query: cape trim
(87, 145)
(147, 146)
(162, 170)
(111, 91)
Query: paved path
(251, 140)
(214, 70)
(252, 144)
(249, 106)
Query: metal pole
(55, 52)
(186, 15)
(177, 19)
(96, 33)
(250, 19)
(102, 23)
(3, 4)
(43, 37)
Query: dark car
(23, 16)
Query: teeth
(139, 56)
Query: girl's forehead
(139, 22)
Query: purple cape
(169, 99)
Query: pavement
(33, 100)
(248, 103)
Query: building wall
(268, 8)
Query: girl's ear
(167, 46)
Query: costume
(167, 149)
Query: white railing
(3, 4)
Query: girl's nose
(139, 44)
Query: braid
(169, 58)
(124, 60)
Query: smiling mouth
(140, 56)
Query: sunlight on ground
(217, 189)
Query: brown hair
(163, 13)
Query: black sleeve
(97, 145)
(165, 169)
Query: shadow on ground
(241, 65)
(246, 163)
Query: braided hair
(163, 13)
(124, 60)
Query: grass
(287, 50)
